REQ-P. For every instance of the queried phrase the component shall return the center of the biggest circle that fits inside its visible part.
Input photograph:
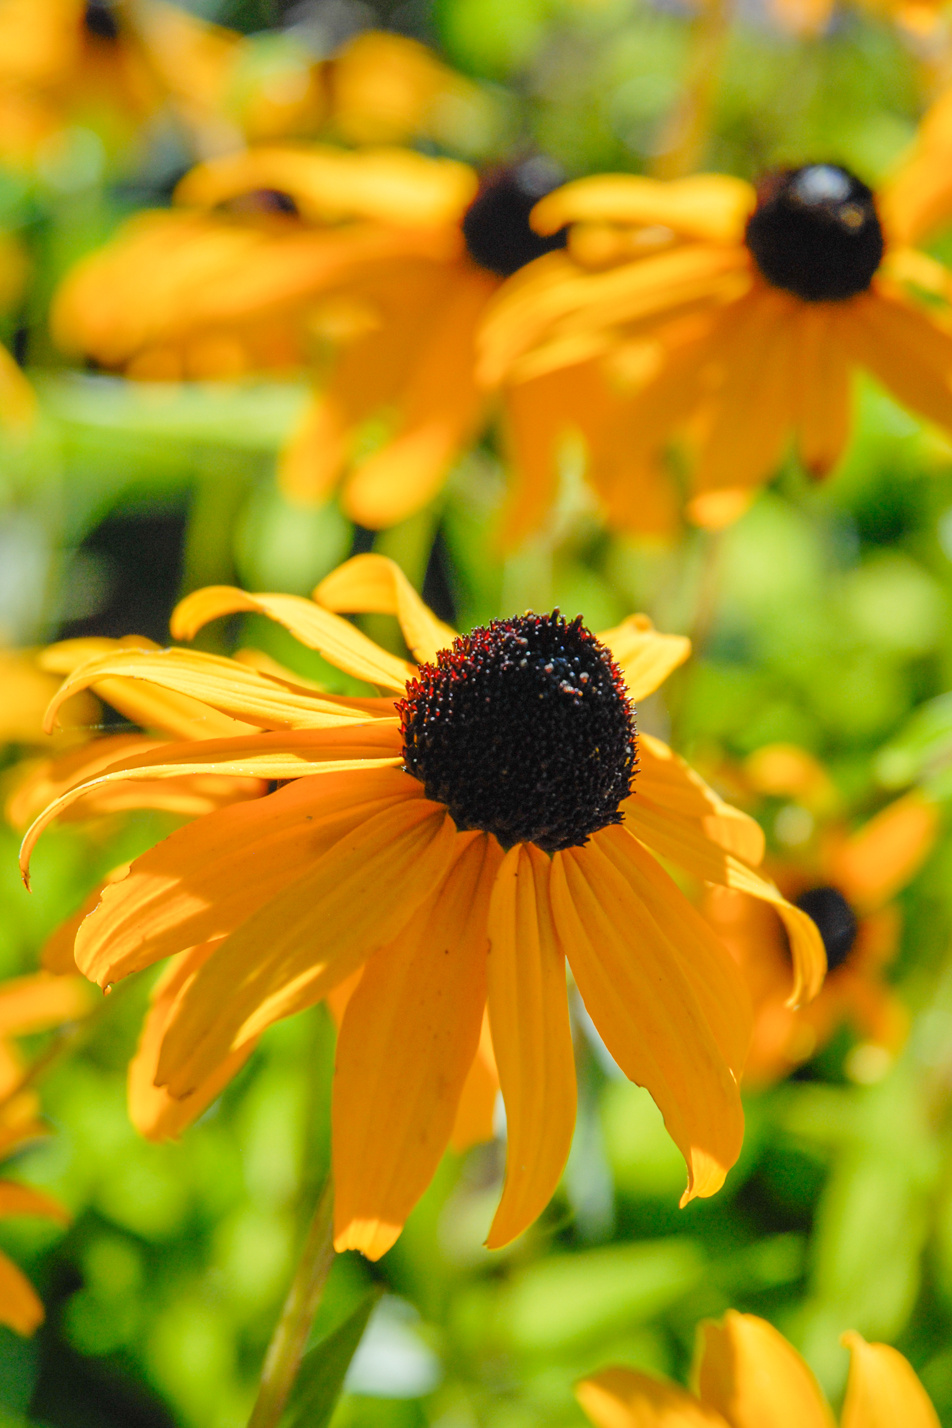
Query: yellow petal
(291, 755)
(154, 1113)
(904, 348)
(649, 993)
(755, 1379)
(409, 1036)
(532, 1040)
(39, 1001)
(290, 953)
(669, 782)
(712, 206)
(622, 1398)
(395, 185)
(376, 584)
(822, 388)
(477, 1103)
(887, 852)
(17, 397)
(17, 1199)
(20, 1306)
(338, 641)
(680, 840)
(883, 1390)
(206, 879)
(645, 655)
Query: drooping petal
(749, 1374)
(822, 387)
(666, 780)
(439, 409)
(532, 1040)
(232, 688)
(883, 1390)
(206, 879)
(477, 1103)
(292, 951)
(886, 853)
(623, 1398)
(154, 1113)
(374, 584)
(645, 655)
(291, 755)
(680, 839)
(904, 348)
(712, 206)
(409, 1036)
(20, 1305)
(319, 629)
(17, 1199)
(650, 999)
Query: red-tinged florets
(523, 729)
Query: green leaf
(320, 1379)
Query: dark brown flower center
(523, 729)
(496, 224)
(835, 920)
(815, 232)
(100, 20)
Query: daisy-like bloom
(746, 1375)
(431, 853)
(27, 1005)
(726, 316)
(371, 269)
(847, 882)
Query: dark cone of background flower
(835, 919)
(815, 233)
(496, 224)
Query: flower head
(368, 269)
(846, 880)
(746, 1375)
(728, 317)
(431, 855)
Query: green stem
(286, 1349)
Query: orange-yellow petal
(206, 879)
(904, 348)
(883, 1390)
(338, 641)
(651, 972)
(409, 1036)
(670, 783)
(20, 1305)
(357, 897)
(154, 1113)
(645, 655)
(475, 1113)
(712, 206)
(887, 852)
(375, 584)
(623, 1398)
(532, 1040)
(17, 1199)
(39, 1001)
(749, 1374)
(822, 408)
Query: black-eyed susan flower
(431, 852)
(746, 1375)
(27, 1005)
(370, 269)
(847, 881)
(729, 317)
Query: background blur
(821, 619)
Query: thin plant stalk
(286, 1349)
(685, 137)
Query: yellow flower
(747, 1376)
(430, 852)
(27, 1005)
(728, 316)
(372, 269)
(847, 881)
